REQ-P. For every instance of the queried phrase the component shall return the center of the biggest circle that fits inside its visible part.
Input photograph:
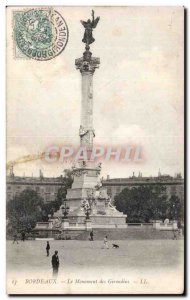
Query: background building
(46, 187)
(174, 185)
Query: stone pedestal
(88, 225)
(65, 224)
(156, 224)
(174, 225)
(50, 224)
(85, 179)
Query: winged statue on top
(89, 25)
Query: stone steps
(127, 234)
(112, 233)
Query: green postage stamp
(39, 34)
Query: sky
(138, 91)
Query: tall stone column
(87, 110)
(87, 65)
(85, 174)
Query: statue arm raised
(95, 22)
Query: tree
(53, 206)
(27, 208)
(143, 203)
(24, 211)
(175, 208)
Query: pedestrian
(174, 235)
(23, 236)
(47, 248)
(92, 235)
(15, 238)
(106, 242)
(55, 263)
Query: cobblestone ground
(132, 254)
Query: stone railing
(157, 224)
(88, 225)
(42, 225)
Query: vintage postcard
(95, 150)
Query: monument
(88, 204)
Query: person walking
(92, 235)
(23, 235)
(55, 263)
(47, 248)
(174, 235)
(15, 238)
(106, 242)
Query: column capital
(88, 66)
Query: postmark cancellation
(39, 33)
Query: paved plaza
(137, 266)
(131, 254)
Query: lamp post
(87, 208)
(90, 197)
(65, 209)
(87, 212)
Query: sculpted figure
(89, 25)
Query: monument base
(89, 206)
(106, 217)
(88, 200)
